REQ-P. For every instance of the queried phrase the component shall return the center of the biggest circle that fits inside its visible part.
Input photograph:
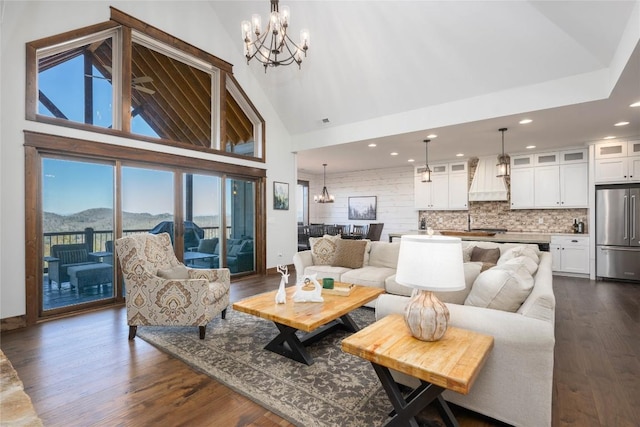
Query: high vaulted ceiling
(392, 72)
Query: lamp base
(426, 316)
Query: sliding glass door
(77, 225)
(240, 216)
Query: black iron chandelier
(273, 47)
(426, 175)
(324, 197)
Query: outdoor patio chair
(162, 291)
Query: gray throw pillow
(485, 255)
(350, 253)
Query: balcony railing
(96, 240)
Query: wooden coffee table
(451, 363)
(315, 318)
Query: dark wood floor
(82, 370)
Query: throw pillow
(501, 289)
(519, 251)
(207, 245)
(349, 253)
(323, 249)
(179, 272)
(525, 261)
(485, 255)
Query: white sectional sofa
(515, 385)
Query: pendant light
(426, 175)
(503, 163)
(325, 197)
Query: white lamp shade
(431, 263)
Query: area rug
(339, 389)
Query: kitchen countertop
(508, 237)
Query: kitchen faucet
(468, 222)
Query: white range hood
(486, 186)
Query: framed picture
(363, 207)
(281, 196)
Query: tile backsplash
(500, 215)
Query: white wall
(195, 23)
(393, 188)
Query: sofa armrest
(302, 260)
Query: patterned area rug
(337, 390)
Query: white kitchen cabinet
(617, 162)
(522, 188)
(522, 161)
(558, 180)
(570, 254)
(448, 189)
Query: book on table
(339, 288)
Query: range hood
(486, 186)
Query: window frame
(131, 29)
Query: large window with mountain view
(119, 77)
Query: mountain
(101, 219)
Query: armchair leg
(224, 313)
(203, 330)
(132, 332)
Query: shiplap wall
(393, 188)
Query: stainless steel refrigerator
(618, 232)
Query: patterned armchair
(160, 290)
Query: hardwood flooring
(82, 370)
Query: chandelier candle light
(325, 197)
(427, 264)
(273, 47)
(503, 163)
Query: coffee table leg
(287, 344)
(405, 410)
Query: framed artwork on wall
(281, 196)
(363, 208)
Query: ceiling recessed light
(621, 124)
(373, 145)
(433, 135)
(394, 154)
(525, 121)
(410, 160)
(609, 137)
(530, 147)
(459, 154)
(635, 104)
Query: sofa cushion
(466, 253)
(323, 249)
(501, 288)
(368, 276)
(179, 272)
(73, 256)
(471, 272)
(485, 255)
(519, 251)
(207, 245)
(349, 253)
(384, 254)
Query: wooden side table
(451, 363)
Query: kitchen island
(541, 239)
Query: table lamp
(427, 264)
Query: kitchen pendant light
(426, 175)
(503, 163)
(325, 197)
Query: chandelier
(325, 197)
(503, 163)
(426, 175)
(273, 47)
